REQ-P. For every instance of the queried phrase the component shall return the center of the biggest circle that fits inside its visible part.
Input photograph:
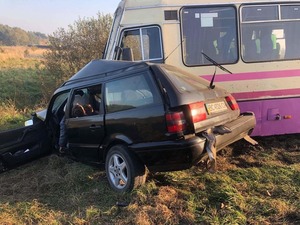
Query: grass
(25, 88)
(22, 92)
(253, 185)
(25, 84)
(11, 118)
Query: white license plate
(215, 107)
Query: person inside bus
(226, 44)
(266, 44)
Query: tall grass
(22, 92)
(20, 87)
(10, 117)
(25, 84)
(20, 57)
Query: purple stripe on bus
(265, 94)
(254, 75)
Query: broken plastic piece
(221, 130)
(211, 149)
(250, 140)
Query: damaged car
(131, 117)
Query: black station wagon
(147, 117)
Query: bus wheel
(123, 169)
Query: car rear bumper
(240, 127)
(184, 153)
(170, 155)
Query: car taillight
(175, 122)
(232, 102)
(198, 111)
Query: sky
(46, 16)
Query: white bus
(258, 41)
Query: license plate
(215, 107)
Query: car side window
(86, 101)
(59, 101)
(128, 93)
(57, 105)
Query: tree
(12, 36)
(71, 49)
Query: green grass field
(253, 184)
(25, 85)
(22, 92)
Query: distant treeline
(11, 36)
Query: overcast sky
(46, 16)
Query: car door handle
(94, 127)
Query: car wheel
(123, 169)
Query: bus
(258, 42)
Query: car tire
(124, 170)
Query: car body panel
(24, 144)
(144, 124)
(140, 123)
(184, 153)
(85, 135)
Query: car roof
(100, 66)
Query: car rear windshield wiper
(211, 85)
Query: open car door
(23, 144)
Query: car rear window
(184, 81)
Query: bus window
(290, 12)
(270, 32)
(260, 13)
(144, 44)
(131, 40)
(212, 30)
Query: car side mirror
(33, 119)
